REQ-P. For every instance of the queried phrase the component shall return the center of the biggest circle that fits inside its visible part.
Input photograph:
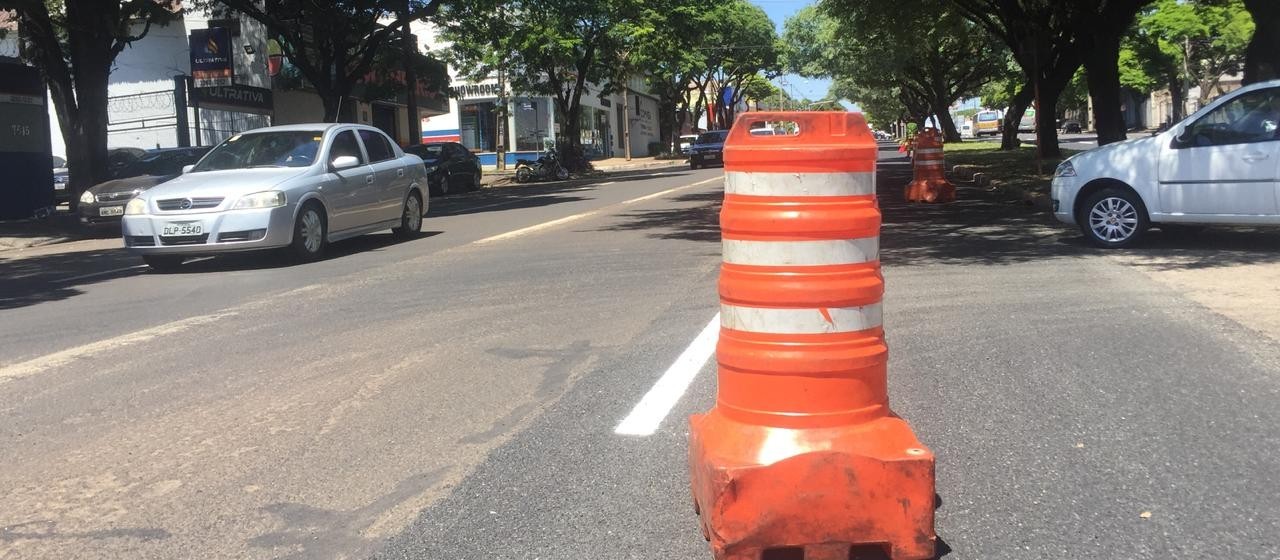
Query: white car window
(1252, 117)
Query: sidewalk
(22, 234)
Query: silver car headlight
(135, 207)
(87, 197)
(1065, 169)
(266, 199)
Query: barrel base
(826, 493)
(931, 191)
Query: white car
(1220, 166)
(296, 186)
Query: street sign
(211, 63)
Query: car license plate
(111, 211)
(713, 156)
(178, 229)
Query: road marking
(58, 359)
(658, 402)
(561, 221)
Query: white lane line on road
(658, 402)
(561, 221)
(58, 359)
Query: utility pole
(502, 120)
(410, 52)
(626, 121)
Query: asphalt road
(456, 396)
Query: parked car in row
(686, 143)
(298, 187)
(708, 149)
(104, 203)
(450, 166)
(1221, 165)
(117, 159)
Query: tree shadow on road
(32, 280)
(698, 218)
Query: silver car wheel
(1113, 219)
(413, 213)
(312, 230)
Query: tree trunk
(1047, 122)
(1102, 69)
(1262, 57)
(332, 106)
(1177, 97)
(949, 131)
(1013, 116)
(90, 49)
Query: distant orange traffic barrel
(801, 451)
(930, 183)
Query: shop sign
(474, 90)
(246, 99)
(211, 64)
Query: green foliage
(899, 57)
(1195, 40)
(740, 41)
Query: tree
(74, 43)
(546, 47)
(1050, 40)
(740, 42)
(663, 45)
(334, 43)
(1262, 57)
(1206, 40)
(924, 48)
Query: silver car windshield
(296, 148)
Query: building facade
(532, 123)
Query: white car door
(1227, 162)
(351, 193)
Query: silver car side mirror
(344, 162)
(187, 168)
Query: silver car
(296, 186)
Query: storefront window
(531, 117)
(479, 126)
(595, 132)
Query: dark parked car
(1071, 127)
(117, 159)
(708, 149)
(450, 166)
(104, 203)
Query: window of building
(479, 126)
(531, 120)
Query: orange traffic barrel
(930, 183)
(801, 452)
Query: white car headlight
(1065, 169)
(267, 199)
(86, 197)
(135, 207)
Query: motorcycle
(547, 166)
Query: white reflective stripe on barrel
(800, 321)
(800, 184)
(801, 253)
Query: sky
(808, 88)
